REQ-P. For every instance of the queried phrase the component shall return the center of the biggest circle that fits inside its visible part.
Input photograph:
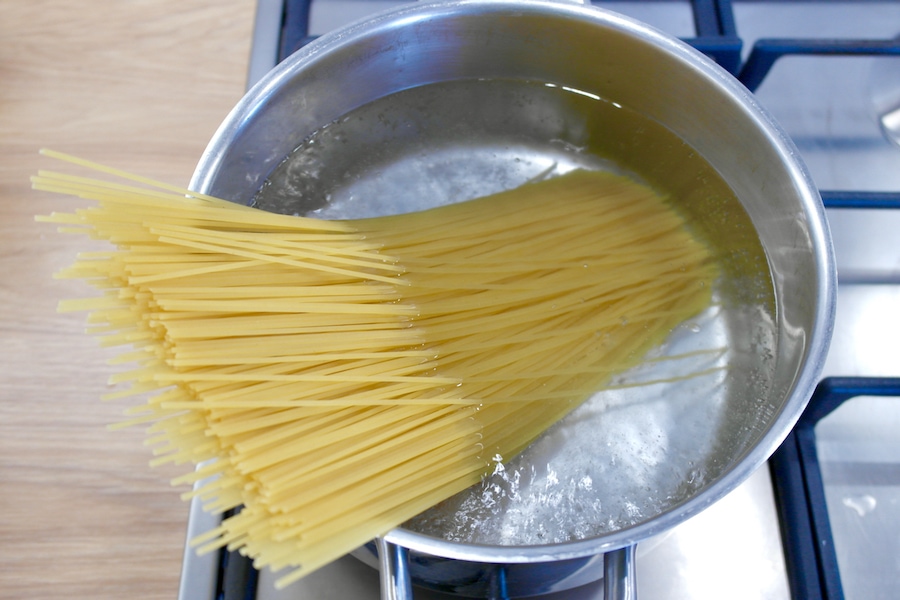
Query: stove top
(826, 521)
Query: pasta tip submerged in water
(336, 378)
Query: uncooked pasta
(336, 378)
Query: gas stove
(822, 520)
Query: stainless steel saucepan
(472, 96)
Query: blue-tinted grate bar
(766, 52)
(294, 27)
(860, 200)
(811, 560)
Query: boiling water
(449, 142)
(629, 453)
(618, 459)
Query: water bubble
(552, 477)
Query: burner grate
(800, 491)
(796, 473)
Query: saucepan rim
(817, 338)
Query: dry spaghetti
(336, 378)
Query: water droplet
(863, 504)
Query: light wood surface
(141, 85)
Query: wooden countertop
(141, 85)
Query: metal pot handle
(393, 564)
(619, 576)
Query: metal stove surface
(840, 112)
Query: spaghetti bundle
(336, 378)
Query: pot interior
(439, 103)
